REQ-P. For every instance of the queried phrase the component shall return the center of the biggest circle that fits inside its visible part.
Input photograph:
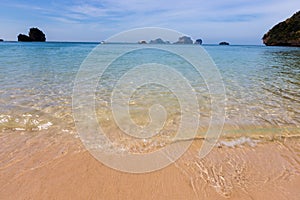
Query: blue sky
(236, 21)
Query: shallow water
(259, 149)
(262, 87)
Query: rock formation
(142, 42)
(184, 40)
(1, 40)
(223, 43)
(286, 33)
(198, 41)
(24, 38)
(35, 35)
(157, 41)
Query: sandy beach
(149, 100)
(43, 167)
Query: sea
(261, 84)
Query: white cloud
(239, 20)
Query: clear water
(37, 79)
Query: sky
(235, 21)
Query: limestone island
(286, 33)
(184, 40)
(198, 41)
(142, 42)
(159, 41)
(34, 35)
(223, 43)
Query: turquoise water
(36, 85)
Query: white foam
(27, 115)
(4, 120)
(44, 126)
(35, 122)
(239, 141)
(20, 129)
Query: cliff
(286, 33)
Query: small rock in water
(223, 43)
(198, 41)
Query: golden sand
(42, 167)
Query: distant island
(181, 40)
(198, 41)
(34, 35)
(223, 43)
(142, 42)
(159, 41)
(184, 40)
(1, 40)
(286, 33)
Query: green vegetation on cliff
(286, 33)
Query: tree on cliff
(35, 35)
(286, 33)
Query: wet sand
(39, 166)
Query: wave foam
(239, 142)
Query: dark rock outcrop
(1, 40)
(184, 40)
(198, 41)
(24, 38)
(142, 42)
(286, 33)
(223, 43)
(35, 35)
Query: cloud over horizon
(236, 21)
